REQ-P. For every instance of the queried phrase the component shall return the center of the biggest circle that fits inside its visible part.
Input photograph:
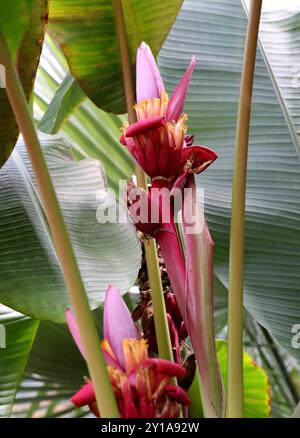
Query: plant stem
(160, 316)
(236, 259)
(158, 302)
(103, 390)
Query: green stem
(160, 316)
(158, 302)
(103, 390)
(236, 259)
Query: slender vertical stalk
(160, 316)
(236, 259)
(104, 393)
(158, 302)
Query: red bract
(151, 211)
(143, 207)
(158, 140)
(142, 385)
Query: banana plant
(78, 80)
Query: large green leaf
(215, 33)
(31, 277)
(281, 368)
(15, 16)
(23, 24)
(280, 29)
(18, 334)
(90, 131)
(86, 31)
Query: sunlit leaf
(256, 385)
(87, 34)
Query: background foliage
(66, 91)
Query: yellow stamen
(135, 353)
(178, 130)
(171, 133)
(107, 348)
(164, 99)
(152, 107)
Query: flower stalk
(95, 360)
(160, 315)
(236, 258)
(159, 143)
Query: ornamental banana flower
(158, 141)
(142, 385)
